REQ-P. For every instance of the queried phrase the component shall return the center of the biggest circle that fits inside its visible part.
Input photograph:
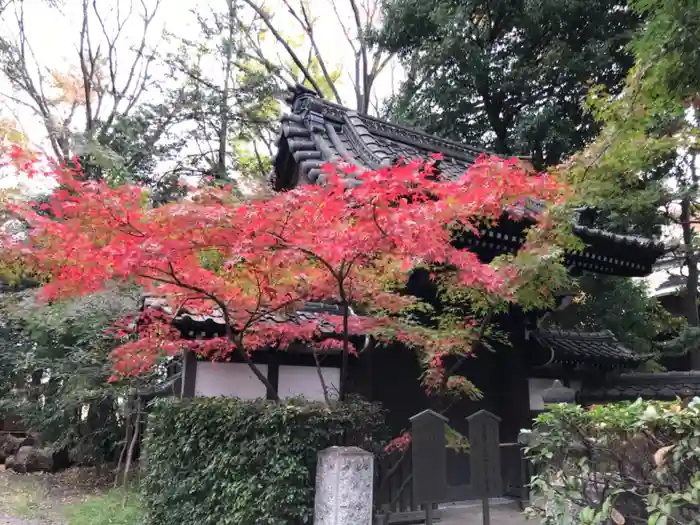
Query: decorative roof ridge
(158, 302)
(652, 377)
(453, 147)
(576, 334)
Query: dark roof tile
(656, 385)
(318, 131)
(586, 347)
(214, 322)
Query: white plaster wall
(538, 385)
(228, 379)
(304, 381)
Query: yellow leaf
(660, 455)
(618, 518)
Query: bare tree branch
(308, 27)
(268, 22)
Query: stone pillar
(344, 485)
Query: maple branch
(230, 335)
(376, 220)
(308, 252)
(441, 410)
(480, 336)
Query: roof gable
(318, 132)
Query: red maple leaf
(250, 263)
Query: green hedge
(221, 461)
(626, 463)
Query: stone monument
(344, 485)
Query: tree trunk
(132, 444)
(35, 385)
(343, 387)
(127, 439)
(324, 386)
(224, 105)
(691, 292)
(494, 110)
(253, 367)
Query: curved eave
(595, 236)
(586, 349)
(319, 132)
(508, 237)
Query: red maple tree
(245, 261)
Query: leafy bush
(54, 366)
(110, 508)
(623, 463)
(222, 461)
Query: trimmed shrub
(222, 461)
(620, 463)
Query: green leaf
(657, 519)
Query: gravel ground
(501, 514)
(10, 520)
(39, 499)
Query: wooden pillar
(514, 387)
(273, 376)
(189, 374)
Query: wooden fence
(394, 486)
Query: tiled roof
(194, 325)
(586, 348)
(317, 131)
(597, 234)
(656, 385)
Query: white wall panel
(228, 379)
(304, 381)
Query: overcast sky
(53, 37)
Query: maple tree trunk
(254, 368)
(324, 385)
(346, 351)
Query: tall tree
(507, 75)
(642, 171)
(105, 96)
(234, 102)
(354, 21)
